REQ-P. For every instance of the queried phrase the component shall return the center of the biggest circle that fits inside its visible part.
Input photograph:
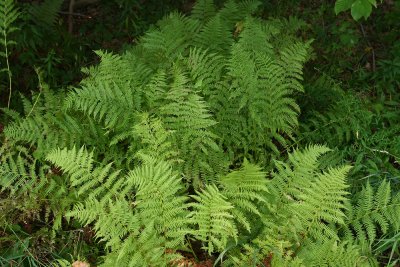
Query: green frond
(78, 164)
(112, 220)
(45, 126)
(19, 174)
(245, 189)
(46, 13)
(147, 227)
(304, 202)
(141, 250)
(300, 172)
(31, 184)
(215, 35)
(170, 40)
(373, 212)
(105, 102)
(158, 200)
(213, 219)
(205, 69)
(332, 253)
(236, 11)
(188, 115)
(9, 13)
(156, 140)
(203, 10)
(323, 203)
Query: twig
(74, 14)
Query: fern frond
(78, 164)
(203, 10)
(141, 250)
(19, 175)
(9, 13)
(373, 212)
(155, 139)
(145, 229)
(188, 115)
(245, 189)
(100, 101)
(31, 184)
(205, 69)
(158, 201)
(46, 13)
(45, 126)
(323, 203)
(213, 219)
(302, 201)
(299, 173)
(332, 253)
(170, 40)
(215, 35)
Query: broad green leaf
(373, 2)
(343, 5)
(361, 8)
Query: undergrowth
(203, 142)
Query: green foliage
(373, 212)
(187, 89)
(46, 13)
(8, 15)
(245, 189)
(359, 8)
(215, 222)
(183, 144)
(330, 253)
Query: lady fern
(212, 215)
(374, 211)
(147, 151)
(146, 222)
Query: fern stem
(192, 250)
(8, 67)
(9, 82)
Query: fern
(8, 15)
(314, 198)
(323, 202)
(155, 139)
(46, 13)
(146, 228)
(158, 200)
(331, 253)
(303, 205)
(347, 120)
(132, 242)
(212, 215)
(146, 150)
(245, 189)
(374, 212)
(78, 164)
(203, 10)
(196, 87)
(36, 186)
(45, 126)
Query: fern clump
(183, 144)
(198, 91)
(373, 211)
